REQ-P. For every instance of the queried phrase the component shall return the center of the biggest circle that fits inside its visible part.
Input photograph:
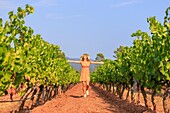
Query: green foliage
(99, 57)
(147, 61)
(25, 55)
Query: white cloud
(45, 3)
(75, 16)
(125, 3)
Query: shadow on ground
(76, 96)
(114, 101)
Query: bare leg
(87, 87)
(84, 87)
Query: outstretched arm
(97, 62)
(74, 61)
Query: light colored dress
(85, 72)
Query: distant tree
(117, 51)
(99, 57)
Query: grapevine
(146, 63)
(25, 57)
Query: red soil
(99, 101)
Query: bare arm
(74, 61)
(97, 62)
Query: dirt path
(99, 101)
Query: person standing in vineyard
(85, 72)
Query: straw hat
(84, 55)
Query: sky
(88, 26)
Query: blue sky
(88, 26)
